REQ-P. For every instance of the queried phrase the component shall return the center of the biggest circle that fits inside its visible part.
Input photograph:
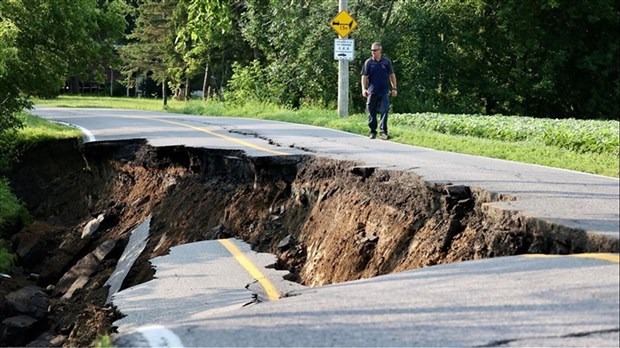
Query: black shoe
(373, 135)
(385, 136)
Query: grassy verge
(569, 144)
(35, 130)
(110, 102)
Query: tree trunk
(186, 94)
(205, 82)
(220, 93)
(389, 14)
(163, 93)
(74, 85)
(111, 82)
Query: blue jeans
(378, 103)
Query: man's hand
(365, 92)
(394, 93)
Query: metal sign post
(343, 88)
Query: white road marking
(87, 134)
(159, 336)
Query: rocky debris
(79, 274)
(30, 300)
(457, 192)
(363, 171)
(26, 311)
(62, 257)
(47, 339)
(36, 242)
(291, 256)
(77, 284)
(219, 232)
(16, 330)
(285, 243)
(92, 226)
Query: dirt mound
(327, 221)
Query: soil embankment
(327, 221)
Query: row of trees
(547, 58)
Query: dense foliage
(540, 58)
(45, 42)
(12, 209)
(10, 99)
(543, 58)
(7, 259)
(42, 44)
(13, 212)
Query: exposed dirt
(327, 221)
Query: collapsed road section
(327, 221)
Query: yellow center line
(272, 292)
(598, 256)
(221, 136)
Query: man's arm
(365, 85)
(393, 82)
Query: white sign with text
(344, 49)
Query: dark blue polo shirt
(378, 75)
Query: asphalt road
(509, 301)
(512, 301)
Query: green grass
(7, 259)
(103, 341)
(12, 211)
(588, 146)
(149, 104)
(585, 136)
(37, 129)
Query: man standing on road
(377, 76)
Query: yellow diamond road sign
(343, 23)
